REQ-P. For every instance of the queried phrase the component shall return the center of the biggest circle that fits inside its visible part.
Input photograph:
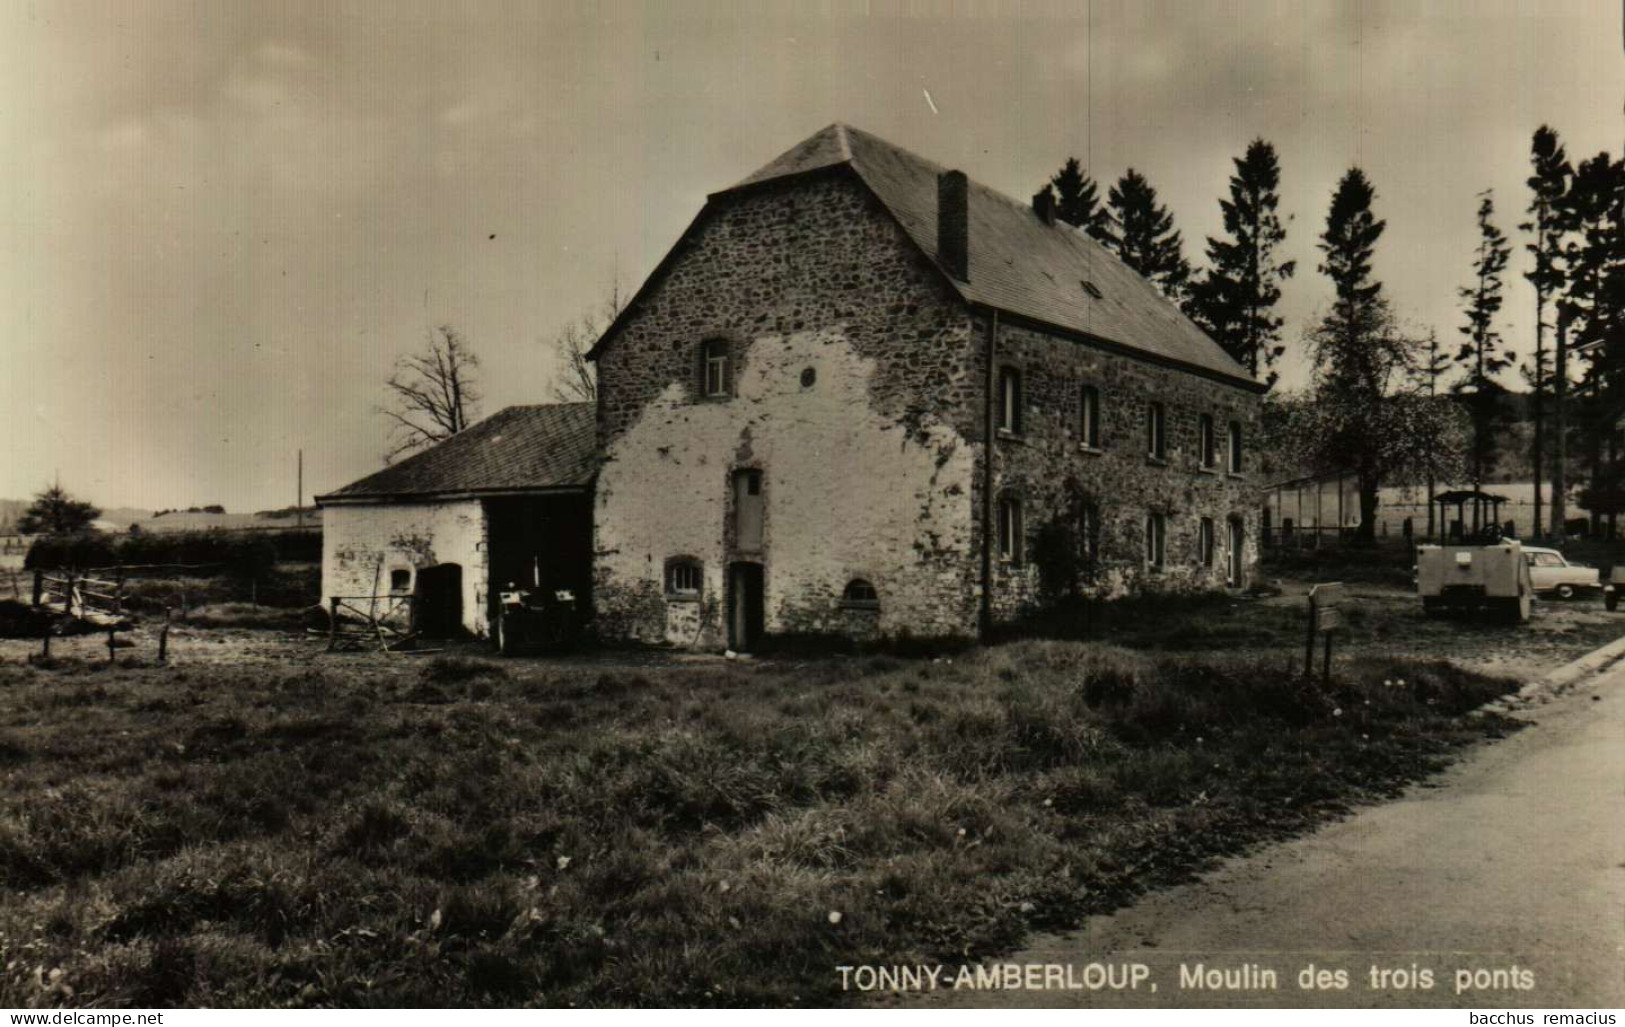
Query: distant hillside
(187, 520)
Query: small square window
(400, 581)
(684, 578)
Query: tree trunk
(1560, 444)
(1367, 534)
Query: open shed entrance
(541, 542)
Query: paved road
(1515, 857)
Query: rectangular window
(400, 581)
(1010, 533)
(1155, 437)
(1235, 447)
(1010, 400)
(1089, 532)
(1204, 542)
(1090, 427)
(1207, 442)
(1156, 528)
(714, 368)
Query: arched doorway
(438, 609)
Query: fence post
(39, 584)
(163, 639)
(333, 624)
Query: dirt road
(1512, 861)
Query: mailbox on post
(1325, 617)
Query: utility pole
(1561, 442)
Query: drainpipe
(990, 434)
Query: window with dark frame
(1156, 537)
(714, 368)
(1234, 446)
(1156, 441)
(1010, 400)
(1204, 542)
(861, 593)
(1207, 442)
(1089, 409)
(1010, 530)
(684, 578)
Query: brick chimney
(1044, 205)
(953, 224)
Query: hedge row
(238, 554)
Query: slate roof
(1018, 264)
(519, 449)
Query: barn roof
(1046, 272)
(545, 448)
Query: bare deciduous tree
(575, 381)
(435, 393)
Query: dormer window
(714, 370)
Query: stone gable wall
(853, 387)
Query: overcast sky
(222, 222)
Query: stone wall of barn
(852, 370)
(364, 545)
(1053, 475)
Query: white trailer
(1486, 579)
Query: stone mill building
(865, 396)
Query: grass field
(466, 831)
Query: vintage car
(1552, 574)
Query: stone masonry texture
(857, 391)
